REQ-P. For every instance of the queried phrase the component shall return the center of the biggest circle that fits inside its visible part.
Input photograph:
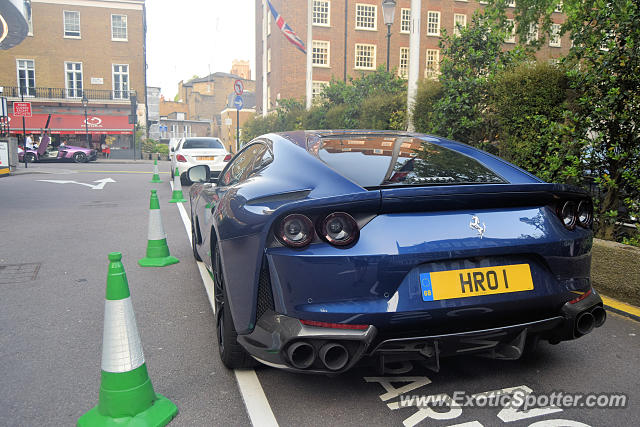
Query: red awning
(73, 124)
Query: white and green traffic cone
(156, 175)
(177, 196)
(157, 248)
(126, 393)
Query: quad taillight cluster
(573, 213)
(297, 230)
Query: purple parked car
(44, 153)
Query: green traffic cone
(177, 196)
(156, 175)
(126, 393)
(157, 248)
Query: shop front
(99, 130)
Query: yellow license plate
(206, 158)
(472, 282)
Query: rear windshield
(202, 143)
(373, 161)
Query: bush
(429, 92)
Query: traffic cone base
(126, 393)
(156, 175)
(157, 248)
(159, 414)
(177, 197)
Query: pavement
(57, 227)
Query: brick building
(75, 50)
(229, 119)
(241, 68)
(349, 38)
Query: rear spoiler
(483, 196)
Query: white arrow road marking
(101, 182)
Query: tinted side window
(242, 165)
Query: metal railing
(57, 93)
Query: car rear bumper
(284, 342)
(214, 167)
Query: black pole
(86, 127)
(237, 130)
(24, 132)
(388, 44)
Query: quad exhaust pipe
(334, 356)
(599, 315)
(301, 354)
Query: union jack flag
(286, 29)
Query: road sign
(22, 109)
(238, 87)
(238, 102)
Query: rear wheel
(194, 242)
(183, 179)
(30, 157)
(79, 157)
(232, 354)
(171, 173)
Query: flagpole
(309, 51)
(414, 61)
(265, 17)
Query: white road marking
(255, 400)
(99, 186)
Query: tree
(470, 62)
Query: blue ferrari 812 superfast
(328, 248)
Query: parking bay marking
(255, 400)
(101, 182)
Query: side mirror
(200, 173)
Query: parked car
(330, 247)
(193, 151)
(66, 153)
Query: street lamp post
(85, 103)
(388, 13)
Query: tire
(80, 157)
(171, 173)
(194, 242)
(183, 179)
(232, 354)
(30, 157)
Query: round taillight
(585, 213)
(567, 214)
(339, 229)
(295, 230)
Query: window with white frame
(432, 64)
(320, 53)
(118, 27)
(321, 13)
(365, 56)
(459, 21)
(511, 3)
(532, 35)
(403, 65)
(511, 31)
(405, 20)
(180, 116)
(120, 81)
(366, 17)
(558, 7)
(554, 37)
(71, 24)
(73, 79)
(433, 23)
(268, 60)
(26, 70)
(317, 87)
(187, 130)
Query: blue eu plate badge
(425, 286)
